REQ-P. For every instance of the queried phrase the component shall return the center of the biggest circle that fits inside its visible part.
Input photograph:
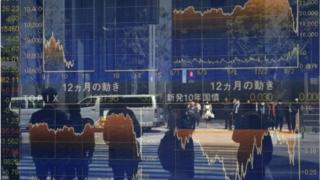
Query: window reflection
(159, 89)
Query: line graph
(237, 158)
(290, 140)
(217, 158)
(250, 147)
(75, 53)
(40, 129)
(54, 53)
(259, 34)
(236, 10)
(239, 60)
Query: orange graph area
(50, 143)
(184, 135)
(119, 133)
(221, 146)
(54, 55)
(289, 139)
(249, 142)
(253, 11)
(118, 128)
(41, 133)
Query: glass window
(108, 102)
(36, 104)
(138, 101)
(89, 102)
(16, 104)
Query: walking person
(48, 155)
(81, 147)
(236, 112)
(272, 114)
(289, 118)
(280, 114)
(120, 133)
(227, 109)
(193, 115)
(198, 111)
(263, 113)
(256, 107)
(207, 112)
(253, 161)
(172, 113)
(176, 149)
(295, 115)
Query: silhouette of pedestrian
(175, 151)
(81, 147)
(236, 114)
(120, 132)
(252, 135)
(227, 109)
(289, 118)
(272, 114)
(295, 115)
(263, 111)
(47, 153)
(174, 112)
(175, 157)
(293, 111)
(192, 116)
(280, 114)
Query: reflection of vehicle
(143, 106)
(24, 107)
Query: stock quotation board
(255, 46)
(82, 41)
(160, 89)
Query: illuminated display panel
(148, 86)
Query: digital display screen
(160, 89)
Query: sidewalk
(215, 123)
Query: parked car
(144, 107)
(24, 107)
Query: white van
(143, 106)
(24, 107)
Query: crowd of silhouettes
(62, 144)
(272, 114)
(61, 147)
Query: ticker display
(160, 89)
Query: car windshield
(35, 104)
(16, 104)
(135, 102)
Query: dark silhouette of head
(49, 95)
(74, 109)
(253, 121)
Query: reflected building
(102, 42)
(112, 41)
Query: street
(215, 155)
